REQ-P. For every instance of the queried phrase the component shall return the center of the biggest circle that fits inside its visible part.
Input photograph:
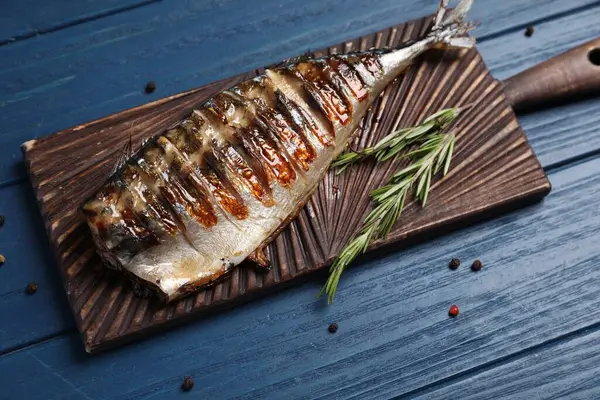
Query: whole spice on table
(31, 288)
(529, 31)
(333, 327)
(188, 384)
(2, 219)
(454, 263)
(150, 87)
(476, 266)
(2, 259)
(453, 312)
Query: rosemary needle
(392, 144)
(433, 154)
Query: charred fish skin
(199, 199)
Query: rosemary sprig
(392, 144)
(433, 154)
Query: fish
(217, 187)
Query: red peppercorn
(453, 312)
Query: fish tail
(450, 28)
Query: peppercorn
(454, 263)
(333, 327)
(2, 219)
(2, 259)
(476, 266)
(529, 31)
(150, 87)
(31, 288)
(188, 384)
(453, 312)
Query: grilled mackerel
(199, 199)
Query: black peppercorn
(150, 87)
(2, 219)
(2, 259)
(476, 266)
(454, 263)
(333, 327)
(188, 384)
(529, 31)
(31, 288)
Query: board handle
(575, 73)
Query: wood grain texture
(557, 136)
(25, 247)
(539, 283)
(569, 76)
(76, 75)
(568, 367)
(560, 133)
(25, 19)
(494, 168)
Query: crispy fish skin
(200, 198)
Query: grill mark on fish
(294, 114)
(243, 170)
(195, 202)
(240, 172)
(151, 163)
(268, 113)
(255, 141)
(291, 89)
(288, 142)
(145, 202)
(350, 76)
(367, 73)
(190, 155)
(321, 88)
(228, 198)
(256, 118)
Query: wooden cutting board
(494, 169)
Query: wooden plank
(26, 318)
(24, 19)
(559, 133)
(555, 136)
(92, 70)
(538, 283)
(565, 368)
(101, 300)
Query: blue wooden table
(530, 320)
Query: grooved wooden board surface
(494, 169)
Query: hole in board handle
(594, 56)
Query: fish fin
(126, 154)
(449, 31)
(259, 258)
